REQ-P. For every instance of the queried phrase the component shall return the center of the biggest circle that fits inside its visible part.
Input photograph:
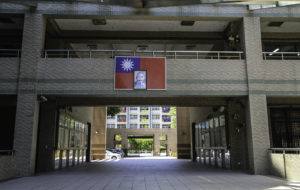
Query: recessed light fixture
(275, 24)
(187, 23)
(277, 49)
(99, 21)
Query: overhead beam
(119, 101)
(166, 35)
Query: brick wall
(7, 165)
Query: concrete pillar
(156, 144)
(46, 136)
(27, 104)
(183, 133)
(257, 117)
(237, 134)
(99, 133)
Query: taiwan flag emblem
(153, 67)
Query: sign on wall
(140, 73)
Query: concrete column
(99, 133)
(156, 144)
(183, 133)
(27, 104)
(47, 132)
(257, 117)
(237, 134)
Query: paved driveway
(145, 173)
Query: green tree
(172, 114)
(112, 111)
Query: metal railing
(281, 55)
(69, 157)
(58, 53)
(284, 152)
(7, 152)
(214, 156)
(10, 52)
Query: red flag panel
(124, 81)
(156, 71)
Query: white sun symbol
(127, 64)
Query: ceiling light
(277, 49)
(99, 21)
(187, 23)
(275, 24)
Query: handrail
(63, 53)
(285, 150)
(281, 55)
(7, 152)
(212, 148)
(288, 149)
(10, 52)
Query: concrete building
(237, 59)
(150, 122)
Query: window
(285, 127)
(145, 126)
(166, 118)
(144, 118)
(155, 108)
(155, 117)
(155, 125)
(121, 118)
(133, 108)
(121, 126)
(133, 117)
(111, 126)
(166, 109)
(134, 126)
(122, 109)
(110, 117)
(166, 126)
(144, 110)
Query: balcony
(121, 120)
(10, 53)
(281, 55)
(90, 54)
(144, 120)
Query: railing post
(240, 55)
(223, 158)
(68, 54)
(284, 165)
(209, 157)
(90, 54)
(218, 55)
(264, 56)
(112, 54)
(175, 54)
(282, 56)
(46, 54)
(197, 55)
(216, 157)
(60, 159)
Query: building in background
(157, 123)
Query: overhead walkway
(149, 174)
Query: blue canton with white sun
(127, 64)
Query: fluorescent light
(277, 49)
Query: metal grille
(285, 126)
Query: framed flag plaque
(140, 73)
